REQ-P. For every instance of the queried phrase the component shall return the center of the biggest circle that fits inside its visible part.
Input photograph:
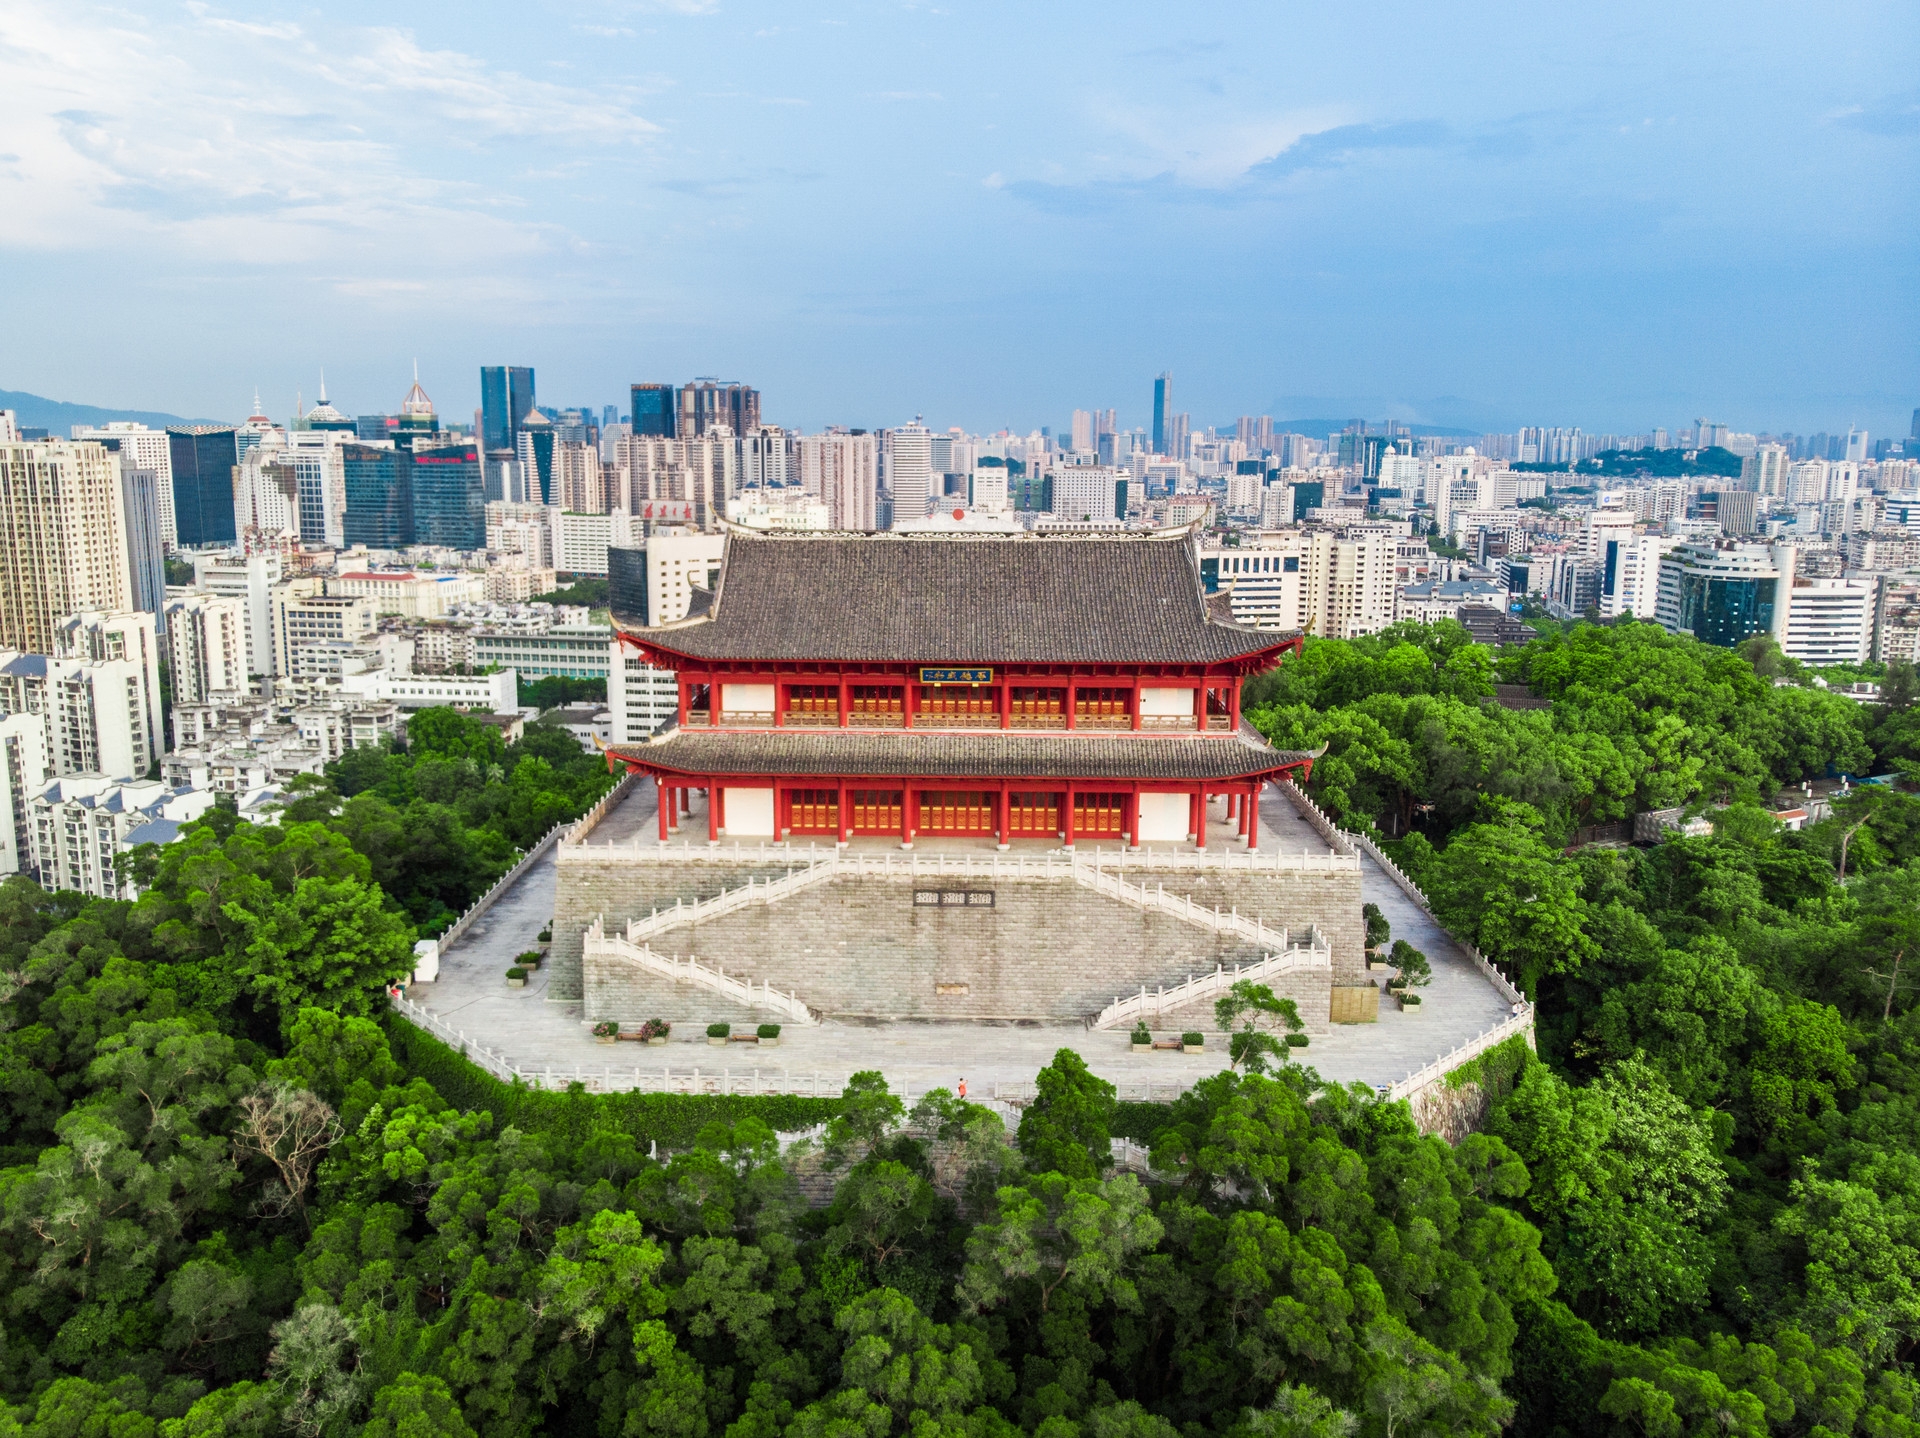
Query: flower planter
(719, 1043)
(606, 1038)
(658, 1043)
(1142, 1048)
(1193, 1048)
(770, 1043)
(516, 983)
(1411, 1008)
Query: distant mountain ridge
(1321, 428)
(57, 416)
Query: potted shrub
(768, 1033)
(530, 960)
(1193, 1042)
(546, 935)
(516, 977)
(717, 1034)
(655, 1032)
(1378, 930)
(606, 1031)
(1142, 1039)
(1414, 972)
(1296, 1041)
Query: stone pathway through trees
(537, 1036)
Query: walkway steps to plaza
(1316, 953)
(690, 971)
(1090, 871)
(1010, 1097)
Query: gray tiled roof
(1111, 599)
(987, 755)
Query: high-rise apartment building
(906, 458)
(766, 458)
(99, 716)
(1162, 411)
(1082, 431)
(148, 449)
(140, 491)
(1179, 438)
(63, 540)
(841, 469)
(23, 770)
(655, 411)
(534, 454)
(129, 636)
(249, 578)
(1349, 585)
(207, 646)
(202, 457)
(1857, 446)
(707, 403)
(576, 479)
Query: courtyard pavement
(527, 1032)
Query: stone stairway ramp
(681, 915)
(1314, 956)
(690, 971)
(1181, 906)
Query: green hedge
(670, 1119)
(1137, 1120)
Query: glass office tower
(203, 457)
(654, 410)
(449, 495)
(506, 394)
(379, 496)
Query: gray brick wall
(857, 946)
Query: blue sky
(1482, 214)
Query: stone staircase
(757, 997)
(1270, 955)
(1315, 956)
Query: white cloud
(229, 144)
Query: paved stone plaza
(538, 1036)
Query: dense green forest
(1654, 463)
(236, 1200)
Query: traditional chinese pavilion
(1016, 688)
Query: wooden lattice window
(1033, 813)
(875, 811)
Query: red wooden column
(1233, 706)
(1066, 799)
(1200, 830)
(1253, 817)
(1006, 710)
(1193, 815)
(1136, 707)
(686, 687)
(846, 696)
(906, 815)
(664, 795)
(1200, 708)
(1004, 828)
(686, 799)
(906, 722)
(713, 814)
(846, 814)
(1070, 693)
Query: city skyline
(1620, 220)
